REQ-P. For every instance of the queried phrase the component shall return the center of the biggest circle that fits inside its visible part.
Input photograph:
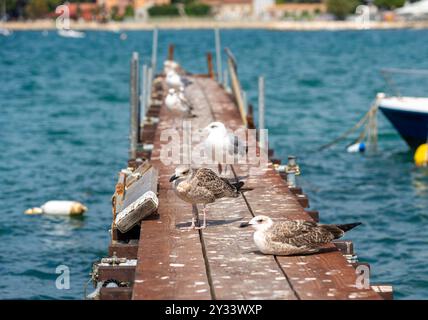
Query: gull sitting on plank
(202, 186)
(294, 236)
(174, 102)
(170, 65)
(221, 143)
(174, 80)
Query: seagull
(202, 186)
(173, 101)
(170, 65)
(294, 236)
(173, 80)
(220, 142)
(183, 98)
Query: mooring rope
(369, 115)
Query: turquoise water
(64, 129)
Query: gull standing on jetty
(220, 143)
(202, 186)
(294, 236)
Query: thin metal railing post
(154, 50)
(236, 89)
(210, 65)
(143, 95)
(225, 79)
(149, 86)
(134, 105)
(218, 55)
(262, 140)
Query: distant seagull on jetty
(294, 237)
(176, 102)
(174, 80)
(202, 186)
(221, 143)
(170, 65)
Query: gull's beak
(245, 224)
(174, 177)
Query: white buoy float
(356, 147)
(59, 207)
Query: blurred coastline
(180, 23)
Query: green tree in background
(34, 9)
(129, 11)
(197, 9)
(163, 10)
(297, 1)
(37, 9)
(114, 14)
(342, 8)
(389, 4)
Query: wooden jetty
(156, 259)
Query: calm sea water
(64, 129)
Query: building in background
(83, 10)
(297, 9)
(414, 11)
(141, 6)
(261, 8)
(112, 5)
(231, 9)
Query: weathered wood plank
(321, 276)
(170, 263)
(120, 293)
(237, 272)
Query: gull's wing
(300, 233)
(208, 179)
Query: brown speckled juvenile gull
(202, 186)
(294, 236)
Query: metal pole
(134, 101)
(171, 52)
(143, 95)
(218, 55)
(291, 171)
(149, 86)
(225, 80)
(262, 111)
(244, 100)
(210, 65)
(155, 49)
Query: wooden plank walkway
(221, 262)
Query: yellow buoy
(421, 155)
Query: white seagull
(170, 65)
(173, 80)
(294, 236)
(221, 143)
(174, 102)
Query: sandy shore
(210, 24)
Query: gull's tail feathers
(239, 186)
(338, 230)
(348, 226)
